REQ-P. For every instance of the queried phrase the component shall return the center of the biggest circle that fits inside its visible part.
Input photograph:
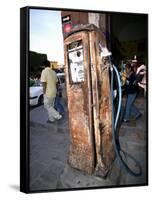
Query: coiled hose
(116, 142)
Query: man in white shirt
(142, 71)
(49, 80)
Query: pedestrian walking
(131, 91)
(58, 100)
(49, 81)
(141, 71)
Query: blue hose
(116, 142)
(120, 96)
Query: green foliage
(36, 61)
(31, 82)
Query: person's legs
(135, 112)
(52, 112)
(49, 105)
(58, 105)
(129, 103)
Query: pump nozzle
(104, 51)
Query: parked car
(36, 91)
(36, 95)
(61, 79)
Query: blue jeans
(130, 107)
(59, 105)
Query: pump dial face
(75, 55)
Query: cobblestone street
(49, 146)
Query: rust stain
(91, 148)
(81, 148)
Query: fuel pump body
(89, 102)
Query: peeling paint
(89, 107)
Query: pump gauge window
(75, 55)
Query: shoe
(125, 120)
(59, 117)
(50, 121)
(138, 116)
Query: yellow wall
(54, 64)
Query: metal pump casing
(89, 102)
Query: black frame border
(24, 99)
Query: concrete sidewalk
(49, 146)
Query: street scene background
(49, 143)
(10, 161)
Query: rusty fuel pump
(90, 105)
(89, 102)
